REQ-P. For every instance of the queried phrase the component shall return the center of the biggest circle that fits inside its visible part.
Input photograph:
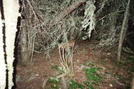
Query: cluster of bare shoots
(66, 51)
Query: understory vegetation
(106, 24)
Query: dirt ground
(35, 74)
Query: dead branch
(32, 8)
(123, 31)
(66, 12)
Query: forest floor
(93, 69)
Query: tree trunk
(123, 30)
(2, 59)
(27, 44)
(25, 56)
(9, 10)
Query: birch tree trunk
(7, 38)
(2, 60)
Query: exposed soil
(35, 74)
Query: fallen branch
(66, 12)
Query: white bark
(11, 9)
(2, 62)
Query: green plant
(75, 85)
(54, 83)
(89, 63)
(92, 82)
(93, 77)
(59, 69)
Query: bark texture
(10, 12)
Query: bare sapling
(66, 51)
